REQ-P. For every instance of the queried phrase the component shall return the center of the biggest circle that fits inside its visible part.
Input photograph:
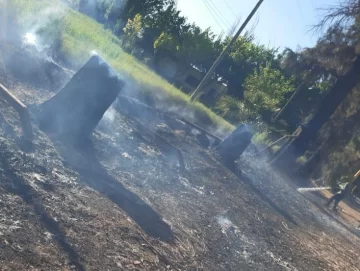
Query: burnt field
(123, 203)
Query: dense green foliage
(266, 89)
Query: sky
(280, 23)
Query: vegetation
(266, 90)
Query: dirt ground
(124, 204)
(346, 212)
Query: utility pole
(288, 102)
(227, 48)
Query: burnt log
(234, 145)
(21, 109)
(217, 140)
(76, 110)
(132, 107)
(203, 140)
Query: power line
(213, 10)
(227, 4)
(221, 15)
(227, 48)
(231, 27)
(301, 11)
(213, 15)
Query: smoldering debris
(227, 225)
(31, 65)
(173, 152)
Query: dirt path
(125, 205)
(349, 215)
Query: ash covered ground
(124, 204)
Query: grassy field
(81, 35)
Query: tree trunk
(77, 109)
(331, 101)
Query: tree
(133, 31)
(331, 101)
(341, 14)
(198, 47)
(167, 20)
(334, 54)
(193, 47)
(144, 7)
(114, 14)
(241, 61)
(166, 42)
(234, 110)
(265, 90)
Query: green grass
(80, 35)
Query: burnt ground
(122, 203)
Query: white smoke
(41, 30)
(110, 114)
(30, 38)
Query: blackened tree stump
(76, 110)
(234, 145)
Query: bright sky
(281, 23)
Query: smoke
(30, 38)
(111, 72)
(110, 114)
(43, 29)
(183, 111)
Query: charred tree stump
(234, 145)
(76, 110)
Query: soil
(120, 202)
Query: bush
(234, 110)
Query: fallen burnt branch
(145, 112)
(276, 157)
(158, 139)
(218, 140)
(135, 108)
(21, 109)
(273, 144)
